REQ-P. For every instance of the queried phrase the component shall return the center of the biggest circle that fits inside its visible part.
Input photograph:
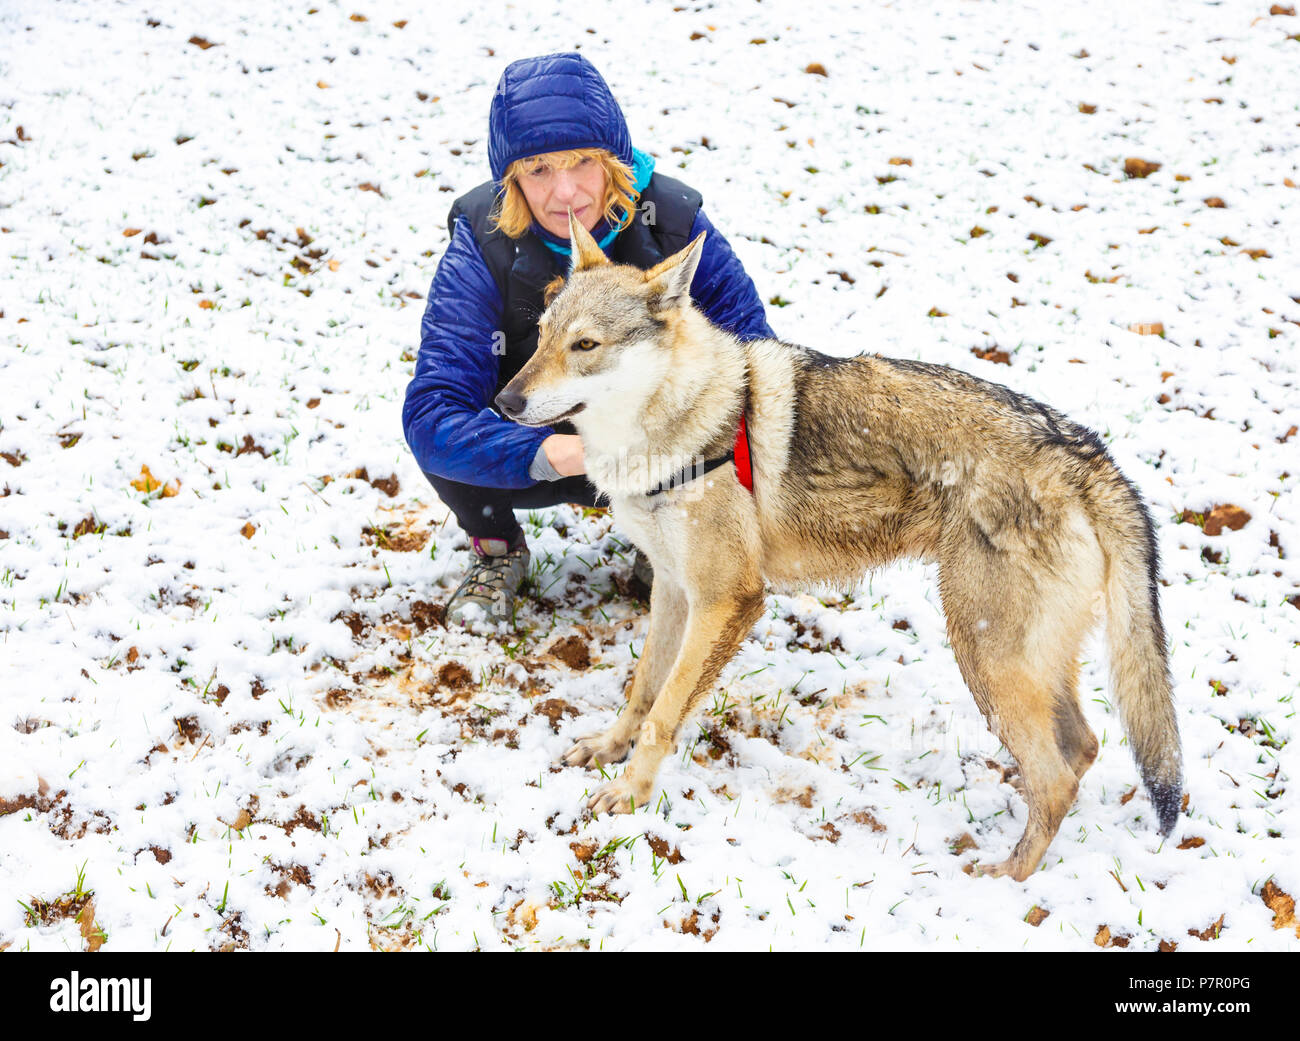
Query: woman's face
(551, 193)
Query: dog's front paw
(597, 748)
(618, 797)
(1009, 868)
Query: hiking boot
(489, 590)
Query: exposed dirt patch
(303, 818)
(555, 709)
(250, 446)
(691, 925)
(69, 825)
(572, 650)
(407, 540)
(389, 485)
(583, 851)
(41, 802)
(865, 817)
(290, 875)
(425, 615)
(237, 935)
(802, 796)
(86, 526)
(455, 676)
(659, 847)
(355, 623)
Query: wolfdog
(853, 462)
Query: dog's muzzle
(511, 403)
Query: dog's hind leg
(1019, 655)
(1020, 711)
(668, 613)
(713, 633)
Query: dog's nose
(511, 403)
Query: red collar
(743, 471)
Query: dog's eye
(584, 344)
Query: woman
(557, 141)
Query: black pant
(488, 513)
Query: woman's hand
(565, 454)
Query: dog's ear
(582, 247)
(552, 290)
(671, 279)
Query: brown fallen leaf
(248, 530)
(816, 68)
(146, 482)
(1282, 905)
(1225, 516)
(1136, 168)
(131, 232)
(1210, 932)
(991, 354)
(1215, 203)
(1037, 915)
(1147, 328)
(90, 930)
(962, 843)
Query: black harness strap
(689, 473)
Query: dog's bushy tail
(1136, 638)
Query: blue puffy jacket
(541, 105)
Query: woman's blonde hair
(513, 215)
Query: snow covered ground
(230, 717)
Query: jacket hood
(552, 103)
